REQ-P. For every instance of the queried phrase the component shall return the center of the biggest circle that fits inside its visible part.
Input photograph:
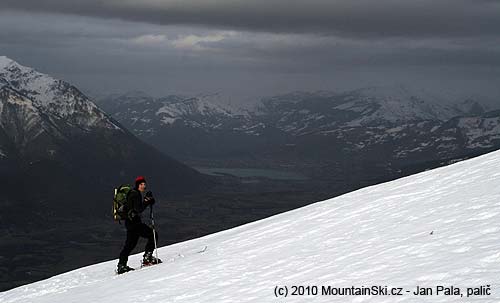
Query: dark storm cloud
(106, 50)
(360, 18)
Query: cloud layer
(258, 47)
(361, 18)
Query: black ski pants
(134, 231)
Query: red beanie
(139, 180)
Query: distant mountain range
(321, 133)
(60, 153)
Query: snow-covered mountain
(54, 97)
(396, 104)
(146, 115)
(55, 140)
(37, 110)
(302, 113)
(437, 230)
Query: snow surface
(439, 227)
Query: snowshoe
(148, 259)
(121, 269)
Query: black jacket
(135, 206)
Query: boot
(149, 259)
(123, 268)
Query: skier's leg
(148, 259)
(147, 232)
(130, 243)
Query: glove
(149, 200)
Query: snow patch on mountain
(168, 120)
(20, 119)
(4, 62)
(396, 104)
(204, 105)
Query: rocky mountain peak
(54, 97)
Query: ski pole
(154, 232)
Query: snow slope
(439, 227)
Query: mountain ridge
(395, 123)
(54, 96)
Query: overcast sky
(257, 47)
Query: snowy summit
(4, 62)
(437, 232)
(52, 96)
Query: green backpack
(120, 202)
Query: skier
(137, 201)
